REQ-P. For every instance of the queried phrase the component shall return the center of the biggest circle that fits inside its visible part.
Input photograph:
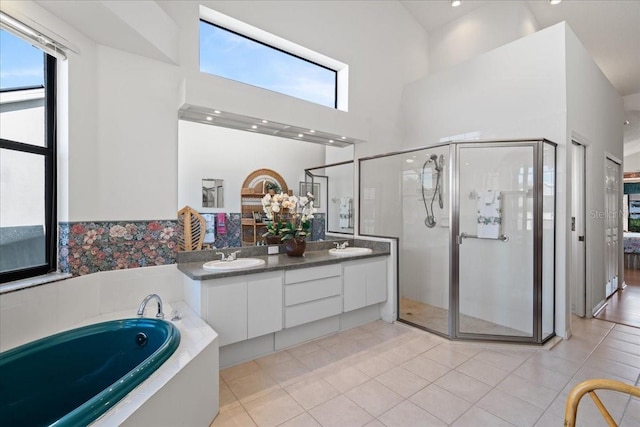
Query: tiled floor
(393, 375)
(624, 306)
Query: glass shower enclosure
(475, 223)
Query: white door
(578, 250)
(612, 196)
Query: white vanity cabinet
(243, 307)
(311, 294)
(365, 283)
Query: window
(28, 226)
(227, 53)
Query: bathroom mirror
(212, 193)
(234, 154)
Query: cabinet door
(227, 311)
(355, 285)
(376, 281)
(264, 305)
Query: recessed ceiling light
(209, 118)
(456, 3)
(331, 141)
(312, 131)
(627, 122)
(300, 135)
(555, 2)
(409, 160)
(216, 111)
(343, 137)
(254, 127)
(265, 121)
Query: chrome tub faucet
(143, 305)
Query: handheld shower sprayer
(438, 162)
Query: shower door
(494, 243)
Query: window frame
(50, 174)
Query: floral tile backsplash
(89, 247)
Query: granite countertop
(312, 258)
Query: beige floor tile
(374, 423)
(227, 398)
(252, 386)
(403, 382)
(440, 403)
(629, 422)
(625, 336)
(407, 414)
(317, 359)
(346, 379)
(236, 417)
(482, 371)
(545, 377)
(618, 356)
(633, 409)
(528, 391)
(345, 349)
(476, 417)
(400, 354)
(425, 368)
(549, 419)
(288, 372)
(500, 360)
(626, 329)
(302, 349)
(331, 340)
(447, 356)
(374, 398)
(340, 412)
(613, 367)
(273, 409)
(239, 371)
(512, 409)
(423, 343)
(627, 347)
(463, 386)
(311, 392)
(302, 420)
(374, 365)
(274, 359)
(557, 364)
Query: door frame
(454, 302)
(619, 258)
(579, 294)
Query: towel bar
(463, 235)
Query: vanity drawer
(313, 273)
(315, 310)
(312, 290)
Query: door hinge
(580, 238)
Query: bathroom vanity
(287, 300)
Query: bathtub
(73, 377)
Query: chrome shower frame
(454, 333)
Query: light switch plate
(273, 250)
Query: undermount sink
(350, 251)
(236, 264)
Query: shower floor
(437, 319)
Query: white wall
(632, 163)
(479, 31)
(595, 113)
(213, 152)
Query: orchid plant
(296, 211)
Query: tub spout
(143, 305)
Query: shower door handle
(464, 235)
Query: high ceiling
(609, 29)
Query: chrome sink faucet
(231, 257)
(143, 305)
(341, 245)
